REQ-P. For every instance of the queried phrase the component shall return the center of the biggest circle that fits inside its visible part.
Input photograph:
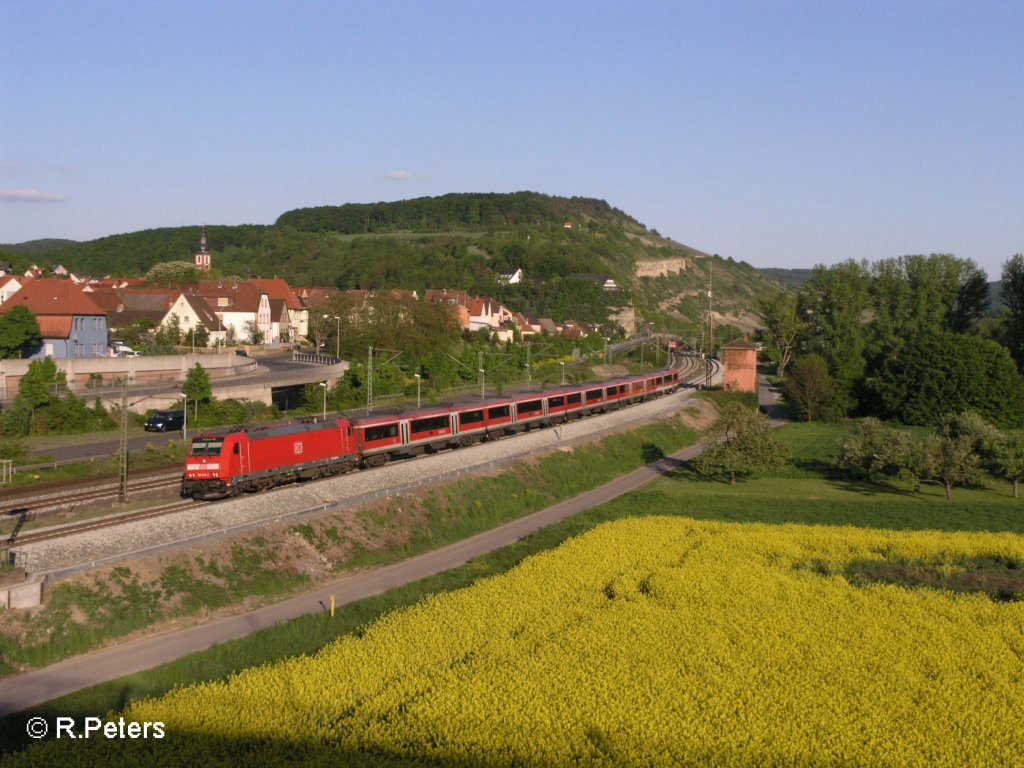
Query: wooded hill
(456, 241)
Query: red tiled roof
(51, 296)
(243, 295)
(277, 288)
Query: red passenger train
(244, 460)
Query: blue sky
(778, 133)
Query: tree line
(450, 212)
(900, 339)
(959, 450)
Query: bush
(14, 449)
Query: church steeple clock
(203, 254)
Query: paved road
(270, 366)
(34, 688)
(769, 397)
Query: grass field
(807, 493)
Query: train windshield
(206, 447)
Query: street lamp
(563, 373)
(418, 378)
(337, 336)
(482, 383)
(324, 385)
(184, 424)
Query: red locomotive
(245, 460)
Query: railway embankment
(58, 558)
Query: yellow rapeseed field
(646, 642)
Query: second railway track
(71, 529)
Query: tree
(199, 335)
(957, 447)
(743, 443)
(173, 273)
(919, 294)
(1013, 300)
(19, 332)
(320, 326)
(1006, 457)
(942, 372)
(197, 385)
(169, 334)
(252, 329)
(780, 327)
(809, 387)
(873, 448)
(833, 306)
(38, 386)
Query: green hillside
(457, 241)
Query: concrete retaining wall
(27, 594)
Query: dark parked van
(162, 421)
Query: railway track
(72, 529)
(690, 370)
(54, 500)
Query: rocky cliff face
(660, 267)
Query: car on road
(163, 421)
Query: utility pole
(711, 319)
(369, 382)
(711, 330)
(480, 366)
(123, 479)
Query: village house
(511, 277)
(456, 301)
(277, 289)
(132, 306)
(605, 281)
(485, 312)
(9, 285)
(193, 311)
(242, 307)
(70, 322)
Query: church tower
(203, 254)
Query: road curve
(28, 690)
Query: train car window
(499, 412)
(471, 417)
(207, 447)
(529, 407)
(575, 398)
(593, 395)
(238, 449)
(428, 424)
(381, 432)
(556, 402)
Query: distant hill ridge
(467, 210)
(463, 240)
